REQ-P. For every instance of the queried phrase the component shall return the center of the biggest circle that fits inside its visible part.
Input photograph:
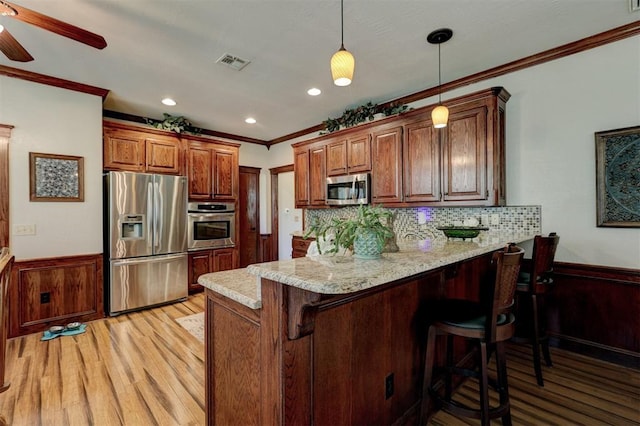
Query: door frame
(5, 135)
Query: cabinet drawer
(299, 243)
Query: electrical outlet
(388, 386)
(495, 219)
(45, 297)
(24, 229)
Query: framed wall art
(618, 177)
(56, 177)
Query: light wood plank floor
(145, 369)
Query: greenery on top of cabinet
(177, 124)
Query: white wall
(56, 121)
(552, 116)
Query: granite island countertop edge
(343, 275)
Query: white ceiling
(159, 48)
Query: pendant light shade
(342, 66)
(440, 114)
(342, 62)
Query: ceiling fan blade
(56, 26)
(12, 49)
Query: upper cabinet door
(301, 176)
(225, 166)
(337, 158)
(359, 153)
(464, 152)
(163, 155)
(317, 176)
(200, 172)
(123, 150)
(386, 172)
(421, 152)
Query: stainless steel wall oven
(211, 225)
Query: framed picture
(55, 177)
(618, 177)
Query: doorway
(289, 218)
(249, 215)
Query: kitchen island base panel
(308, 358)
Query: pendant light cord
(439, 76)
(342, 23)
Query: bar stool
(533, 282)
(487, 324)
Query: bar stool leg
(448, 388)
(428, 375)
(503, 386)
(484, 384)
(535, 341)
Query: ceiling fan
(14, 50)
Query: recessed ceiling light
(169, 102)
(250, 120)
(314, 91)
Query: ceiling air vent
(634, 5)
(232, 61)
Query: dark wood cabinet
(204, 261)
(337, 157)
(317, 176)
(302, 175)
(127, 148)
(299, 246)
(421, 161)
(413, 163)
(310, 168)
(386, 172)
(213, 171)
(349, 155)
(464, 152)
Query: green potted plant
(365, 233)
(177, 124)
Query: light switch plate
(24, 229)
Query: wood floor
(145, 369)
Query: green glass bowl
(463, 232)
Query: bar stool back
(534, 282)
(488, 324)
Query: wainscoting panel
(594, 310)
(55, 291)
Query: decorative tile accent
(512, 219)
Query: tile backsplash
(421, 222)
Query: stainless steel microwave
(349, 189)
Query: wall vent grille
(233, 61)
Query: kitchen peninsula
(331, 339)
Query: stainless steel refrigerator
(145, 240)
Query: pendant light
(342, 62)
(440, 114)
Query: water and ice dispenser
(132, 227)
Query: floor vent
(233, 61)
(634, 5)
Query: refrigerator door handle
(157, 196)
(150, 217)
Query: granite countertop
(236, 284)
(328, 274)
(346, 274)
